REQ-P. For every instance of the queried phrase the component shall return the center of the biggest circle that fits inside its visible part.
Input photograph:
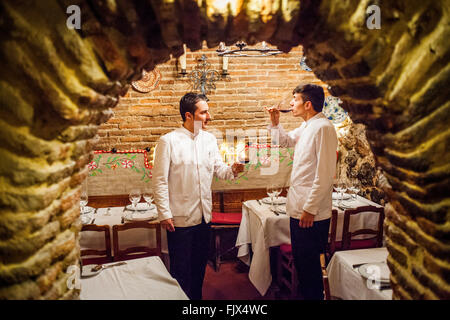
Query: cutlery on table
(102, 266)
(360, 264)
(274, 211)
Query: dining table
(129, 238)
(348, 281)
(261, 229)
(137, 279)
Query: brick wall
(237, 103)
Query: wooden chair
(286, 272)
(333, 245)
(348, 241)
(138, 251)
(103, 256)
(326, 285)
(222, 225)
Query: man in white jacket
(185, 161)
(309, 202)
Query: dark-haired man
(185, 161)
(309, 198)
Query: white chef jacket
(183, 170)
(313, 168)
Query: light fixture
(202, 77)
(242, 51)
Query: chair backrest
(137, 251)
(332, 235)
(103, 256)
(347, 235)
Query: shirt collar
(189, 133)
(317, 116)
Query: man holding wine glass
(186, 160)
(309, 200)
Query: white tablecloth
(261, 229)
(346, 282)
(132, 237)
(139, 279)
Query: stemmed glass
(340, 188)
(83, 201)
(354, 189)
(135, 197)
(271, 193)
(276, 192)
(148, 197)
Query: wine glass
(276, 192)
(342, 189)
(83, 201)
(148, 197)
(354, 189)
(271, 193)
(284, 105)
(135, 197)
(337, 188)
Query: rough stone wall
(58, 84)
(393, 81)
(356, 163)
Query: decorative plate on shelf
(150, 81)
(333, 111)
(303, 64)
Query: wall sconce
(202, 77)
(264, 51)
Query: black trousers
(188, 253)
(307, 245)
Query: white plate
(337, 196)
(280, 200)
(141, 206)
(370, 270)
(87, 271)
(141, 215)
(86, 218)
(86, 210)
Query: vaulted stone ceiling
(58, 85)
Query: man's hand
(168, 225)
(306, 220)
(237, 168)
(274, 115)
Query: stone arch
(58, 85)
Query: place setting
(91, 270)
(343, 200)
(140, 211)
(276, 204)
(376, 273)
(86, 212)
